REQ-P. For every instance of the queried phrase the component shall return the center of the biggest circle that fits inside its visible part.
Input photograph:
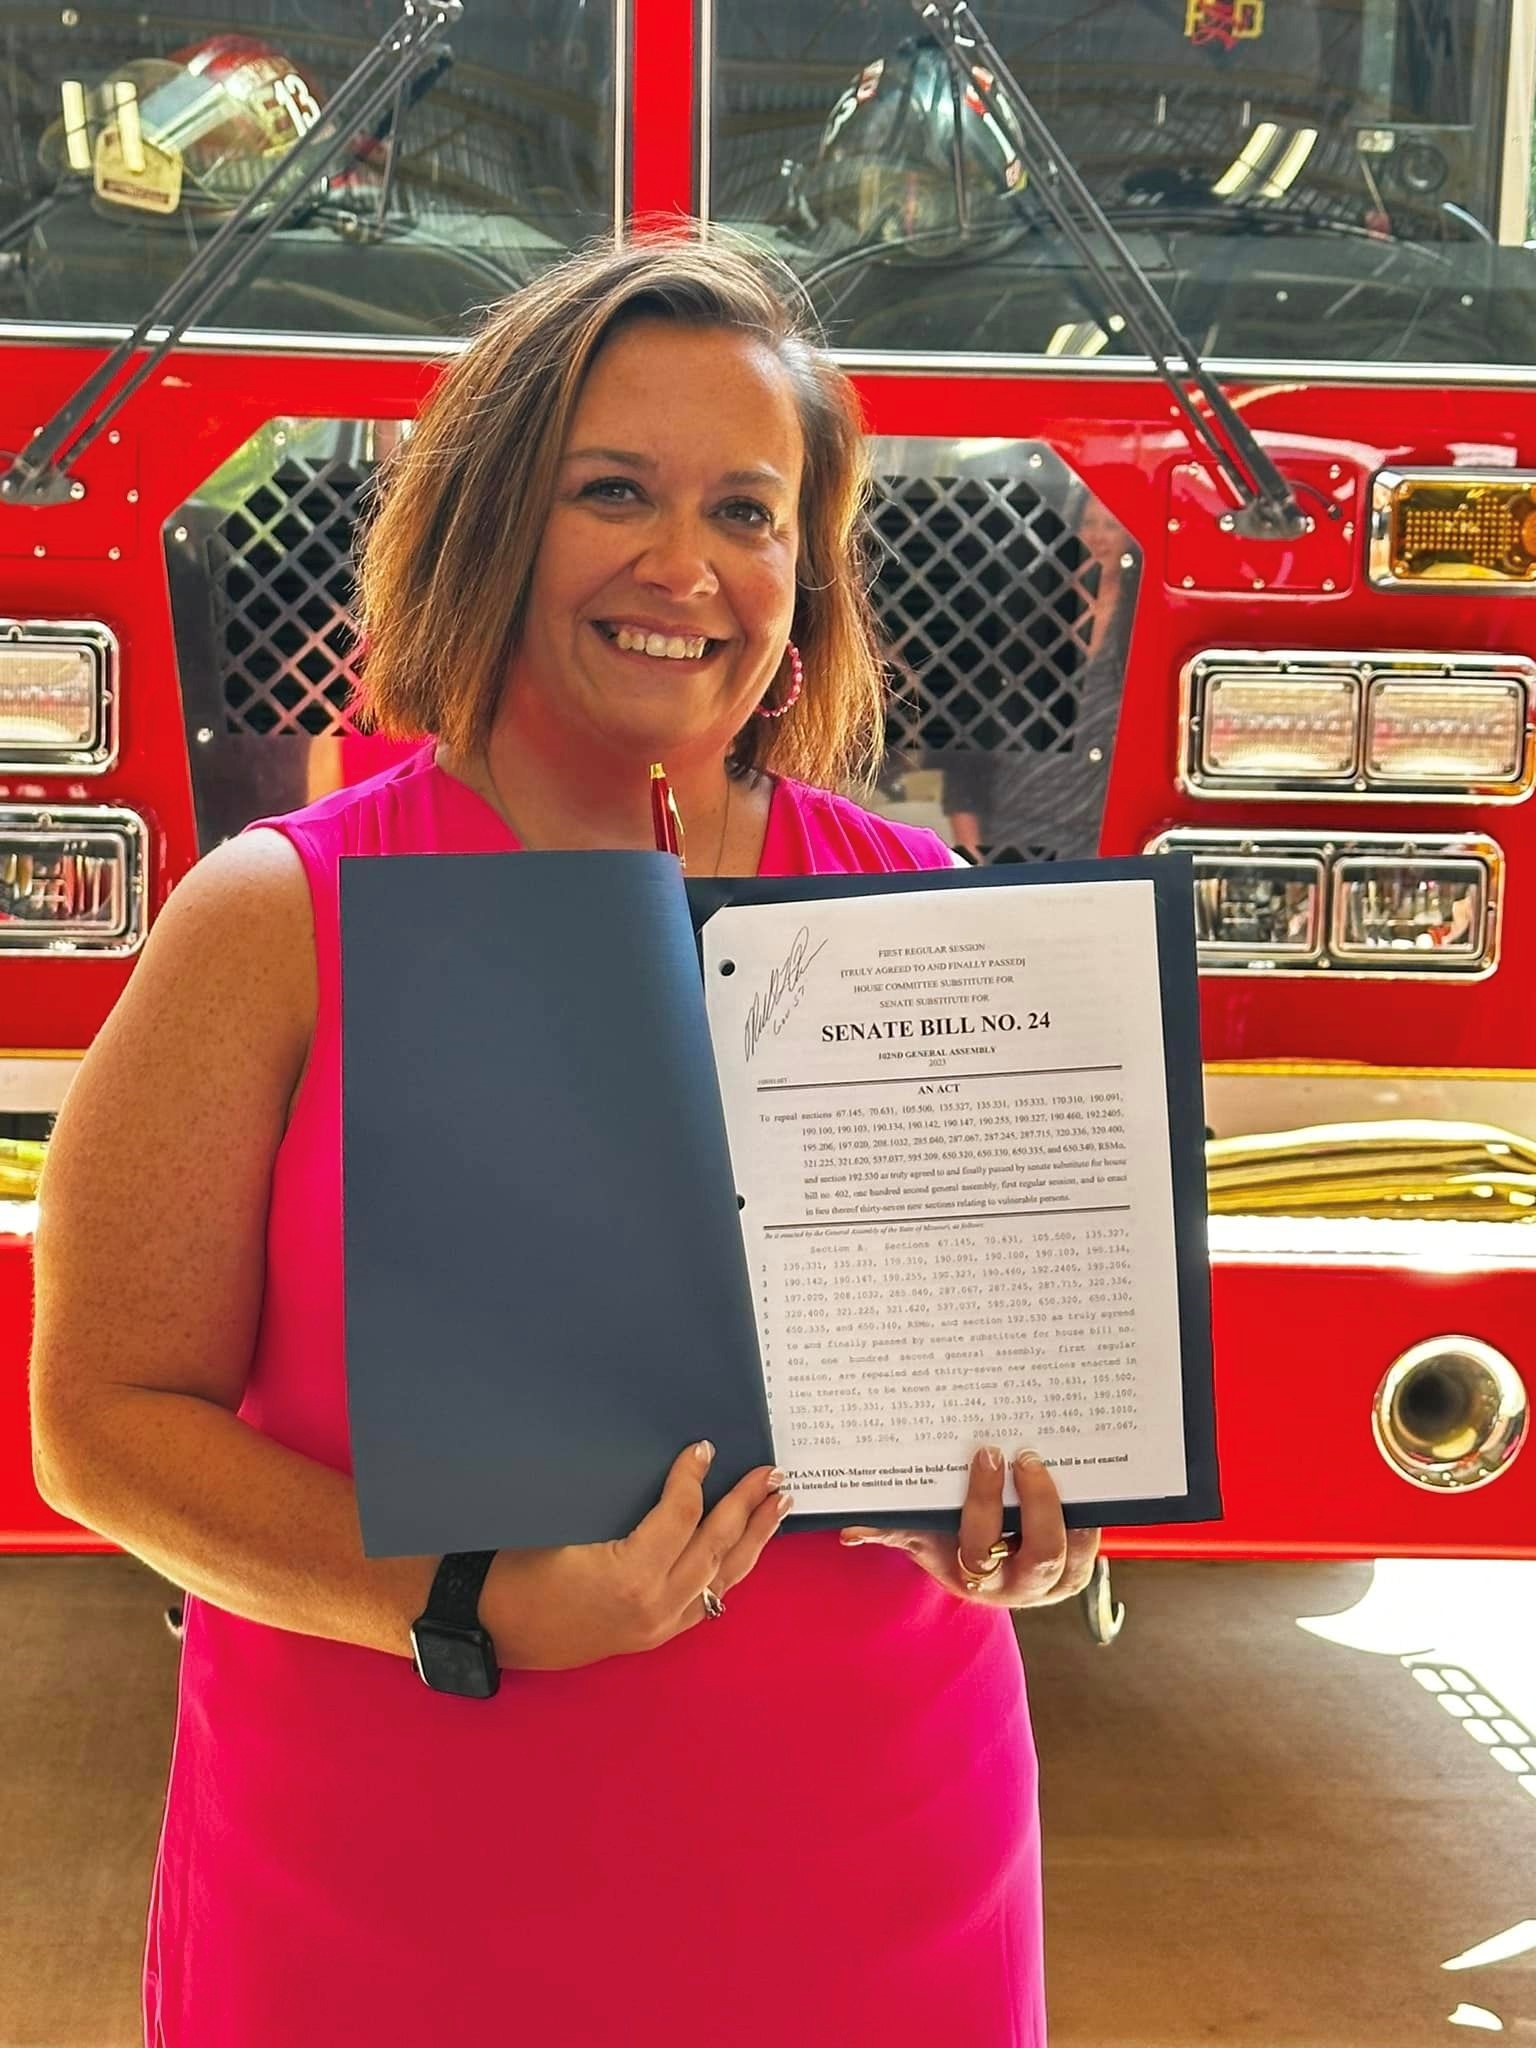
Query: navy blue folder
(546, 1289)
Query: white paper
(948, 1124)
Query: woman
(625, 530)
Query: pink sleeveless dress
(815, 1819)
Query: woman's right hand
(551, 1610)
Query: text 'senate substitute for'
(949, 1129)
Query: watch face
(455, 1660)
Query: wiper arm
(39, 475)
(1267, 506)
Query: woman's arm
(150, 1265)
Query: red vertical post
(663, 107)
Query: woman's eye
(749, 512)
(608, 490)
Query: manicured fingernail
(853, 1536)
(704, 1450)
(1028, 1458)
(991, 1457)
(775, 1480)
(786, 1502)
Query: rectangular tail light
(1366, 903)
(1427, 734)
(1433, 912)
(1258, 909)
(58, 696)
(1359, 726)
(1268, 727)
(73, 879)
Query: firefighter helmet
(197, 130)
(900, 140)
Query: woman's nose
(676, 560)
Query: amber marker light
(1434, 529)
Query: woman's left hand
(1052, 1562)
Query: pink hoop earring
(797, 684)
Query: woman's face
(664, 586)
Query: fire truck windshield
(127, 139)
(1346, 180)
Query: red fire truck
(1195, 339)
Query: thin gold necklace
(501, 805)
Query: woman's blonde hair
(448, 558)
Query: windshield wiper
(1267, 506)
(39, 475)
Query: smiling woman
(628, 529)
(641, 461)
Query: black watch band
(453, 1653)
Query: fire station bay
(1193, 346)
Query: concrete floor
(1258, 1835)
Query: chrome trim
(54, 818)
(1235, 369)
(1229, 369)
(704, 134)
(1378, 562)
(1053, 796)
(1480, 1438)
(249, 341)
(621, 191)
(102, 642)
(867, 362)
(1512, 225)
(1372, 666)
(1333, 849)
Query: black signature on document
(771, 1007)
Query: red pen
(666, 825)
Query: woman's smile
(644, 641)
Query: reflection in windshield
(127, 138)
(1340, 179)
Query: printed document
(948, 1124)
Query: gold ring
(976, 1577)
(714, 1606)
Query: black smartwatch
(453, 1652)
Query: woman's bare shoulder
(258, 871)
(246, 904)
(229, 962)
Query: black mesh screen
(987, 600)
(984, 594)
(282, 595)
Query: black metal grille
(987, 599)
(283, 592)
